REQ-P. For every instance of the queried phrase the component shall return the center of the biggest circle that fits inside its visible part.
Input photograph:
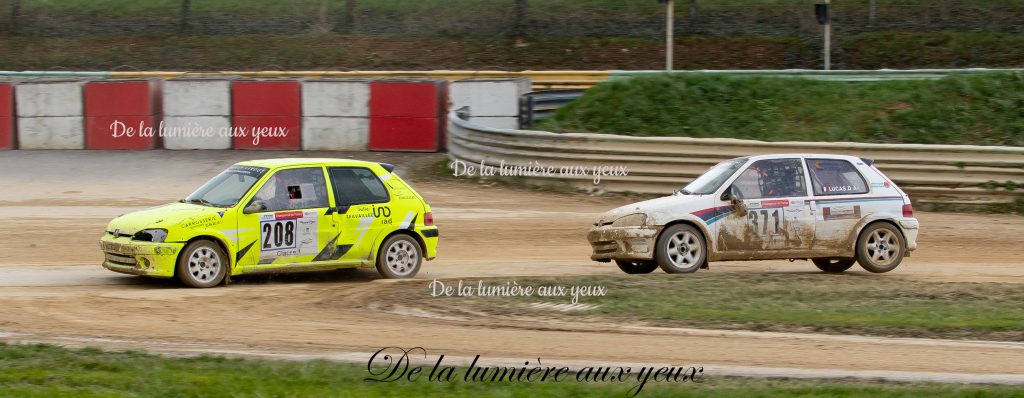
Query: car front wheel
(400, 257)
(880, 247)
(681, 249)
(202, 264)
(636, 267)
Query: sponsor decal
(770, 204)
(841, 212)
(201, 222)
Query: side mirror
(728, 194)
(255, 206)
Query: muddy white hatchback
(833, 210)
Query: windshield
(710, 181)
(228, 187)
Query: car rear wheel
(636, 267)
(880, 247)
(202, 264)
(400, 257)
(833, 265)
(680, 249)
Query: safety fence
(540, 80)
(949, 174)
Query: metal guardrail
(538, 105)
(542, 80)
(948, 174)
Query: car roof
(284, 162)
(804, 155)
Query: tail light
(908, 211)
(428, 217)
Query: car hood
(659, 210)
(166, 217)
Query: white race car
(831, 209)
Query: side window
(294, 189)
(835, 177)
(771, 178)
(357, 185)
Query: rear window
(835, 177)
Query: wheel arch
(415, 236)
(218, 241)
(701, 227)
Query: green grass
(869, 305)
(48, 371)
(980, 109)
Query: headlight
(151, 235)
(632, 220)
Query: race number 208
(279, 234)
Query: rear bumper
(140, 258)
(430, 237)
(623, 243)
(910, 227)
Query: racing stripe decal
(364, 225)
(408, 219)
(241, 253)
(714, 214)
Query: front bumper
(622, 243)
(122, 254)
(910, 228)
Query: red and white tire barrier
(122, 114)
(335, 114)
(6, 116)
(266, 114)
(50, 115)
(197, 114)
(408, 115)
(492, 102)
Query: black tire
(833, 265)
(637, 266)
(400, 257)
(881, 247)
(681, 249)
(202, 264)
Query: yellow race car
(279, 215)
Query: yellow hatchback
(279, 215)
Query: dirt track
(52, 288)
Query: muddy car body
(832, 209)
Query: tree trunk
(322, 26)
(350, 16)
(15, 16)
(693, 9)
(519, 24)
(871, 13)
(185, 24)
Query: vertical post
(828, 36)
(871, 13)
(669, 33)
(185, 24)
(350, 16)
(322, 16)
(693, 9)
(519, 13)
